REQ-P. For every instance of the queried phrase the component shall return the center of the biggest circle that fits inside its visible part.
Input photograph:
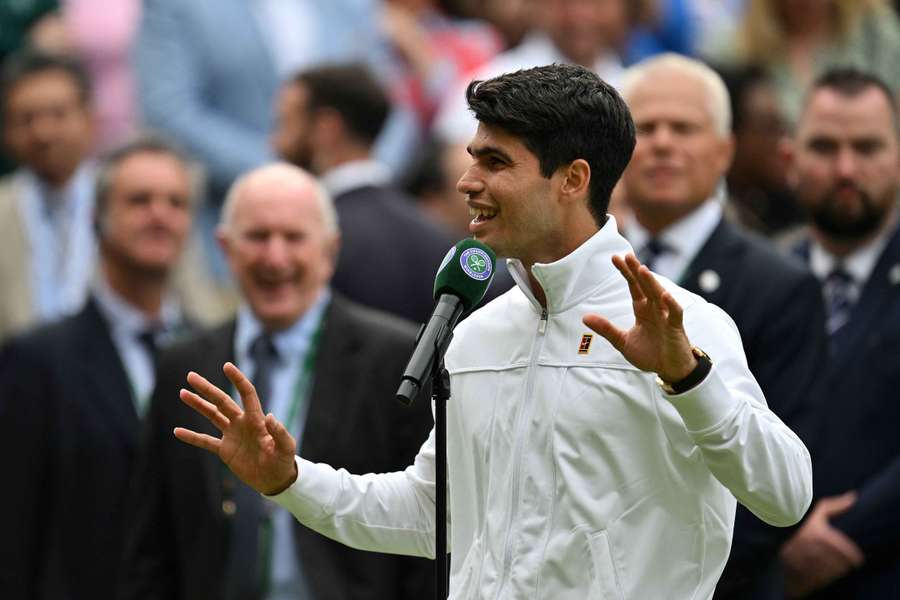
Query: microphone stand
(440, 393)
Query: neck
(142, 290)
(341, 155)
(578, 232)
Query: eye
(823, 146)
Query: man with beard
(844, 163)
(327, 120)
(75, 392)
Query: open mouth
(481, 215)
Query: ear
(223, 241)
(726, 153)
(576, 180)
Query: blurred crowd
(134, 134)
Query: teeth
(482, 213)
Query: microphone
(461, 282)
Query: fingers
(844, 546)
(284, 442)
(215, 395)
(675, 316)
(651, 288)
(200, 440)
(245, 389)
(602, 326)
(207, 409)
(836, 505)
(625, 269)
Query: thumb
(613, 335)
(836, 505)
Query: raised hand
(657, 341)
(255, 446)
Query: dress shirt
(59, 227)
(292, 345)
(682, 239)
(859, 264)
(126, 324)
(355, 174)
(290, 31)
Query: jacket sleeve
(386, 512)
(873, 521)
(743, 443)
(28, 435)
(173, 99)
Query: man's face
(844, 162)
(679, 157)
(147, 216)
(47, 126)
(513, 205)
(583, 29)
(293, 126)
(278, 249)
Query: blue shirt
(59, 227)
(293, 346)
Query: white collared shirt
(355, 174)
(126, 323)
(682, 239)
(59, 228)
(859, 264)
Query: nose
(469, 184)
(661, 138)
(276, 251)
(846, 163)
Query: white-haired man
(674, 186)
(329, 369)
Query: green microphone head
(466, 272)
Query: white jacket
(572, 475)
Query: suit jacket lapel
(218, 350)
(715, 256)
(337, 364)
(881, 288)
(99, 363)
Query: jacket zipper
(521, 425)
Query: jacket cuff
(310, 496)
(705, 405)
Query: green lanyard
(301, 390)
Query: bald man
(330, 369)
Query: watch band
(704, 366)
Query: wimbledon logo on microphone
(476, 263)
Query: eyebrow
(487, 150)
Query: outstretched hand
(255, 446)
(657, 341)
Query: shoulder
(346, 315)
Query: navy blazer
(178, 539)
(68, 435)
(859, 439)
(777, 306)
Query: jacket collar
(569, 280)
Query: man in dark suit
(844, 162)
(74, 392)
(327, 121)
(330, 368)
(684, 147)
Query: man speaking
(602, 420)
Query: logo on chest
(585, 346)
